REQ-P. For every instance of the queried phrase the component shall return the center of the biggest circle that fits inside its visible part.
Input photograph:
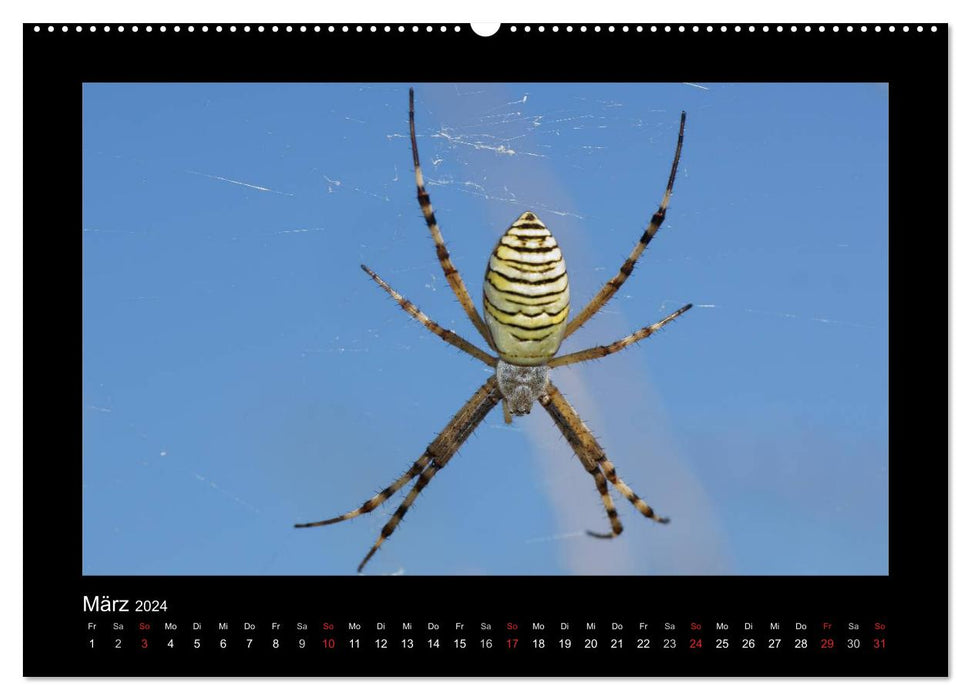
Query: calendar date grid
(513, 635)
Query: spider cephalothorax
(526, 300)
(521, 385)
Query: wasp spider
(526, 303)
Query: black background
(911, 601)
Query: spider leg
(390, 526)
(586, 457)
(560, 406)
(609, 289)
(435, 457)
(448, 336)
(380, 498)
(441, 451)
(604, 350)
(425, 202)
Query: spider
(526, 301)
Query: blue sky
(242, 374)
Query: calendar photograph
(483, 329)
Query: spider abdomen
(526, 293)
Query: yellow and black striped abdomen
(526, 293)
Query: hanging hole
(485, 28)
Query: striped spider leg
(614, 283)
(526, 301)
(434, 458)
(592, 456)
(599, 351)
(425, 202)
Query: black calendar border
(912, 600)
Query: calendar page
(563, 351)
